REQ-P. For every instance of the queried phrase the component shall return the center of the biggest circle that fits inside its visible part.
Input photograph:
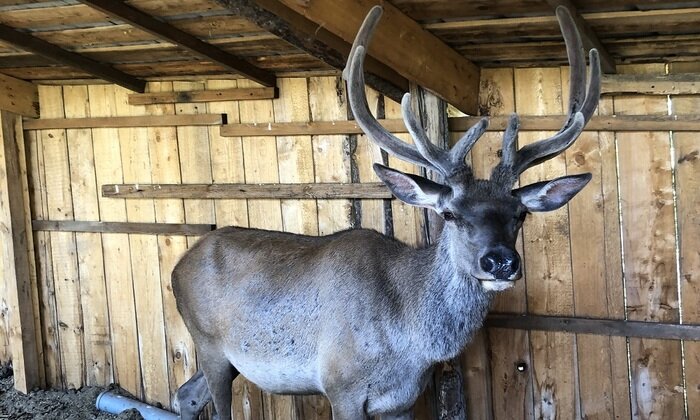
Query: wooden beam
(614, 327)
(588, 36)
(315, 40)
(19, 96)
(187, 229)
(59, 55)
(650, 84)
(248, 191)
(126, 122)
(24, 334)
(241, 94)
(459, 124)
(401, 43)
(172, 34)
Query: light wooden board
(148, 297)
(366, 154)
(115, 247)
(646, 196)
(44, 267)
(63, 245)
(330, 153)
(209, 95)
(19, 291)
(19, 96)
(84, 192)
(547, 258)
(123, 121)
(227, 159)
(687, 164)
(165, 167)
(596, 256)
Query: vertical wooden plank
(144, 260)
(115, 247)
(195, 158)
(63, 246)
(331, 161)
(260, 165)
(646, 195)
(84, 191)
(260, 160)
(165, 168)
(227, 159)
(44, 268)
(547, 258)
(687, 155)
(597, 268)
(295, 155)
(15, 242)
(366, 154)
(496, 388)
(409, 223)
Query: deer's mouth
(496, 285)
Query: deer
(357, 316)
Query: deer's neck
(453, 304)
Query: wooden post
(432, 111)
(16, 242)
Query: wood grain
(125, 121)
(648, 235)
(209, 95)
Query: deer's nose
(501, 263)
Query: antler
(445, 161)
(582, 104)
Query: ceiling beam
(401, 44)
(588, 36)
(148, 23)
(285, 23)
(59, 55)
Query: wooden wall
(107, 310)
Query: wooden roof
(487, 33)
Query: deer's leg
(193, 396)
(345, 407)
(220, 374)
(406, 415)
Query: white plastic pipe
(114, 404)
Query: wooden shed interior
(130, 128)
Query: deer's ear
(411, 189)
(550, 195)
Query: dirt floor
(53, 405)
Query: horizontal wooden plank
(119, 122)
(240, 94)
(597, 123)
(458, 124)
(614, 327)
(187, 229)
(305, 128)
(650, 84)
(249, 191)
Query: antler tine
(355, 78)
(582, 104)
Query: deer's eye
(448, 216)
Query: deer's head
(482, 216)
